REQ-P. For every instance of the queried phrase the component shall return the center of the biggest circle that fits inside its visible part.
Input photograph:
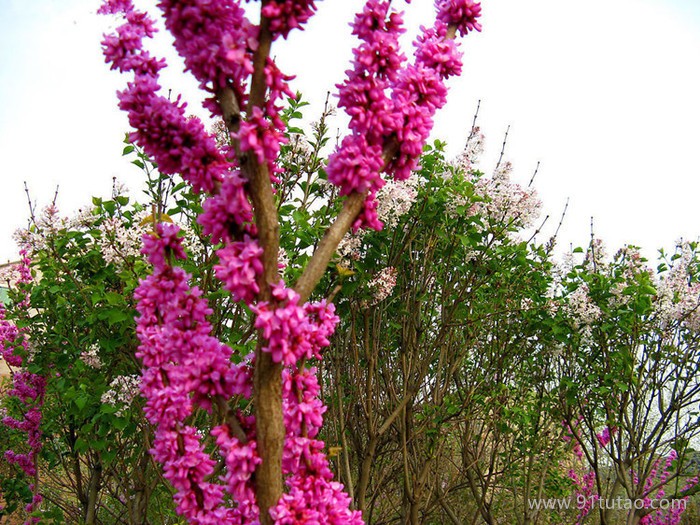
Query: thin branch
(592, 247)
(230, 109)
(503, 147)
(538, 230)
(472, 132)
(561, 220)
(532, 179)
(32, 207)
(329, 242)
(231, 419)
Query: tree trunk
(365, 473)
(93, 493)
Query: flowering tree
(629, 376)
(443, 412)
(79, 339)
(26, 394)
(186, 368)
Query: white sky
(606, 96)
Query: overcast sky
(605, 95)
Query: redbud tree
(269, 466)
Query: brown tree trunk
(93, 493)
(270, 432)
(365, 473)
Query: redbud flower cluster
(186, 368)
(656, 482)
(660, 473)
(585, 488)
(391, 105)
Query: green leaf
(81, 445)
(80, 402)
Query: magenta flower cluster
(464, 15)
(285, 15)
(218, 43)
(178, 144)
(27, 388)
(186, 369)
(655, 485)
(391, 105)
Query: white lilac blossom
(283, 259)
(597, 254)
(91, 357)
(473, 150)
(581, 308)
(85, 218)
(118, 243)
(632, 265)
(382, 284)
(498, 198)
(9, 274)
(395, 199)
(506, 201)
(678, 295)
(122, 390)
(350, 247)
(47, 224)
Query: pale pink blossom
(382, 284)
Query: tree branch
(351, 208)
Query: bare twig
(503, 147)
(532, 179)
(538, 230)
(476, 115)
(561, 219)
(32, 206)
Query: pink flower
(460, 13)
(164, 244)
(437, 52)
(228, 211)
(240, 265)
(604, 437)
(258, 135)
(355, 166)
(286, 15)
